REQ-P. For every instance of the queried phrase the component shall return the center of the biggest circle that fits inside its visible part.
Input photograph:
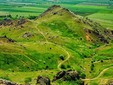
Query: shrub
(92, 67)
(82, 75)
(32, 17)
(101, 61)
(62, 57)
(63, 67)
(68, 66)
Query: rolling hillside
(56, 40)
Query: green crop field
(104, 18)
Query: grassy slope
(39, 51)
(87, 62)
(42, 49)
(103, 53)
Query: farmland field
(93, 12)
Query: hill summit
(77, 25)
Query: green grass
(108, 74)
(36, 10)
(87, 9)
(53, 35)
(104, 18)
(25, 11)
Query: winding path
(68, 55)
(61, 63)
(101, 73)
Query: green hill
(57, 39)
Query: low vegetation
(69, 46)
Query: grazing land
(42, 39)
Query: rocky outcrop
(6, 82)
(27, 34)
(71, 75)
(6, 39)
(6, 22)
(21, 21)
(43, 80)
(59, 75)
(98, 36)
(67, 75)
(109, 82)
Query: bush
(61, 57)
(32, 17)
(83, 76)
(63, 67)
(102, 61)
(68, 66)
(92, 67)
(79, 82)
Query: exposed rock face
(27, 34)
(99, 36)
(6, 22)
(109, 82)
(21, 21)
(6, 39)
(66, 75)
(43, 80)
(5, 82)
(10, 22)
(71, 75)
(59, 75)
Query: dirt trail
(68, 55)
(42, 34)
(31, 59)
(61, 63)
(101, 73)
